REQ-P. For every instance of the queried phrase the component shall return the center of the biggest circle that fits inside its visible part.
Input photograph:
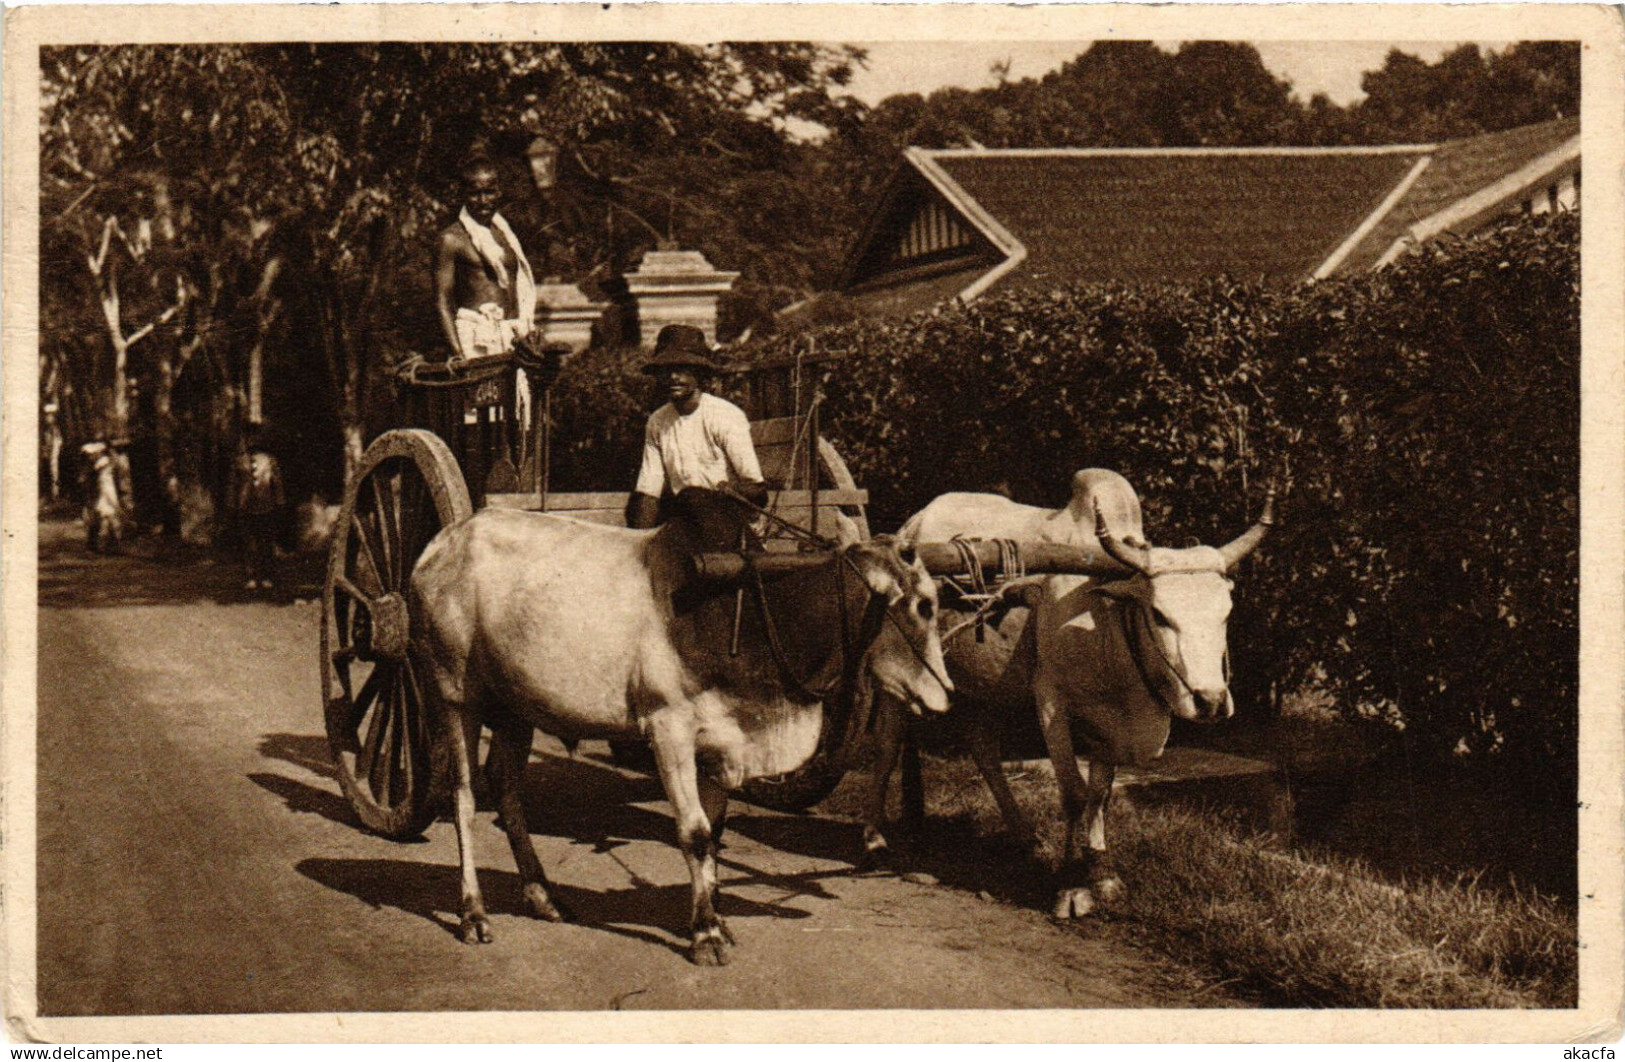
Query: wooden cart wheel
(841, 477)
(388, 760)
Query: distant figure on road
(484, 289)
(260, 500)
(98, 489)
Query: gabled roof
(1181, 214)
(1460, 169)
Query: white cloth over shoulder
(485, 242)
(709, 448)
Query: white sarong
(524, 285)
(484, 332)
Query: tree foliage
(211, 211)
(222, 213)
(1219, 94)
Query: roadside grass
(1288, 928)
(1320, 931)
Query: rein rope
(878, 612)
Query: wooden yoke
(939, 558)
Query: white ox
(1106, 663)
(525, 620)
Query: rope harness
(418, 371)
(977, 594)
(1143, 612)
(841, 694)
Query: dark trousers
(259, 536)
(714, 520)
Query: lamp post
(543, 157)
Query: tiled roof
(1135, 215)
(1157, 216)
(904, 299)
(1458, 169)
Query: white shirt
(709, 448)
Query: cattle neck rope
(1134, 654)
(770, 632)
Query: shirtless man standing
(484, 289)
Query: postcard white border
(1602, 735)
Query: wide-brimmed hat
(681, 347)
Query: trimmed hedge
(1422, 423)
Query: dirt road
(195, 855)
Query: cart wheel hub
(391, 627)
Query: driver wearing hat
(696, 442)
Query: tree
(152, 201)
(217, 210)
(1468, 92)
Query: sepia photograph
(666, 522)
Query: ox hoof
(712, 949)
(877, 861)
(1073, 903)
(543, 906)
(877, 855)
(1108, 889)
(475, 929)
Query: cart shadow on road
(640, 911)
(589, 804)
(581, 797)
(430, 891)
(309, 751)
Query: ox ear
(872, 564)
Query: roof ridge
(1130, 152)
(1568, 119)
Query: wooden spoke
(381, 764)
(373, 566)
(380, 506)
(353, 591)
(418, 512)
(419, 708)
(403, 562)
(377, 723)
(367, 694)
(399, 755)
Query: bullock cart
(477, 435)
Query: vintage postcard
(813, 523)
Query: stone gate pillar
(677, 287)
(565, 315)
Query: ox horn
(1243, 544)
(1135, 560)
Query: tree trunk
(119, 413)
(353, 448)
(353, 411)
(163, 435)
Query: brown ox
(1106, 662)
(525, 620)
